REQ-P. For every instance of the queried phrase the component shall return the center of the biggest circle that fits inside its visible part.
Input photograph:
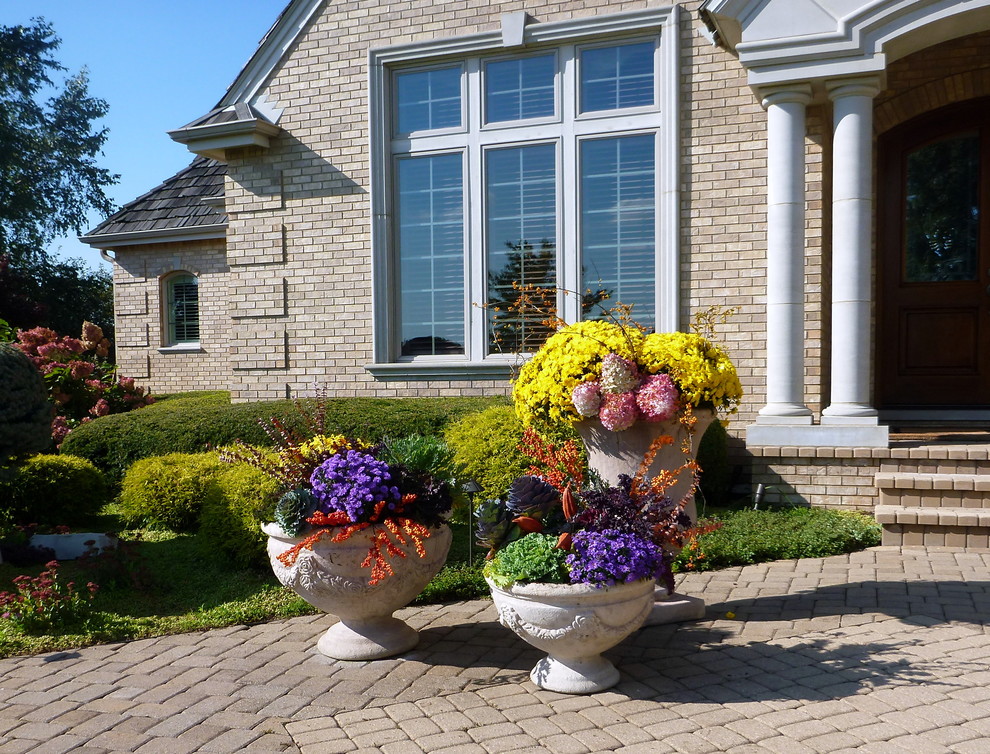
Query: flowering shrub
(43, 603)
(81, 382)
(335, 486)
(615, 372)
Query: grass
(161, 583)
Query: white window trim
(572, 31)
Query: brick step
(933, 490)
(918, 515)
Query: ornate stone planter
(613, 453)
(573, 624)
(330, 577)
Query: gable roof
(187, 206)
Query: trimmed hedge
(53, 490)
(168, 492)
(194, 422)
(231, 520)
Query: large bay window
(547, 169)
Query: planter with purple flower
(640, 403)
(574, 574)
(358, 534)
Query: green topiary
(168, 492)
(55, 490)
(231, 519)
(25, 413)
(194, 422)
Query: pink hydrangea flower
(618, 411)
(80, 370)
(619, 375)
(587, 398)
(102, 408)
(657, 398)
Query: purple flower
(354, 482)
(609, 557)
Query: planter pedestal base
(674, 608)
(587, 675)
(367, 640)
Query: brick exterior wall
(139, 297)
(291, 304)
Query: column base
(825, 435)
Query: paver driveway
(880, 651)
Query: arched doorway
(933, 340)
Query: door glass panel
(943, 213)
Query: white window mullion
(568, 255)
(475, 315)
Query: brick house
(822, 166)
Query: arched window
(182, 310)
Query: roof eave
(215, 139)
(155, 235)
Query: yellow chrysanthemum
(322, 446)
(701, 370)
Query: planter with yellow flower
(630, 396)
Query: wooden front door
(933, 341)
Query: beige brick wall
(300, 211)
(138, 308)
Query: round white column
(785, 256)
(852, 251)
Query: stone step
(927, 516)
(933, 490)
(933, 509)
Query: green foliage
(168, 492)
(485, 446)
(231, 520)
(758, 536)
(49, 177)
(292, 510)
(25, 413)
(54, 490)
(713, 457)
(535, 557)
(422, 453)
(195, 422)
(7, 332)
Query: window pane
(519, 89)
(427, 100)
(943, 211)
(183, 310)
(617, 77)
(521, 234)
(618, 226)
(431, 255)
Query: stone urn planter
(614, 453)
(330, 577)
(573, 624)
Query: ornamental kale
(608, 557)
(355, 483)
(646, 513)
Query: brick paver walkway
(880, 651)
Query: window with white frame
(182, 309)
(538, 167)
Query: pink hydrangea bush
(81, 382)
(623, 396)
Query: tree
(49, 176)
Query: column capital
(780, 95)
(860, 86)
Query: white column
(785, 256)
(852, 251)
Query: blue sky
(158, 65)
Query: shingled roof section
(176, 203)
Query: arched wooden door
(933, 339)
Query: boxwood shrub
(168, 492)
(52, 490)
(231, 519)
(194, 422)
